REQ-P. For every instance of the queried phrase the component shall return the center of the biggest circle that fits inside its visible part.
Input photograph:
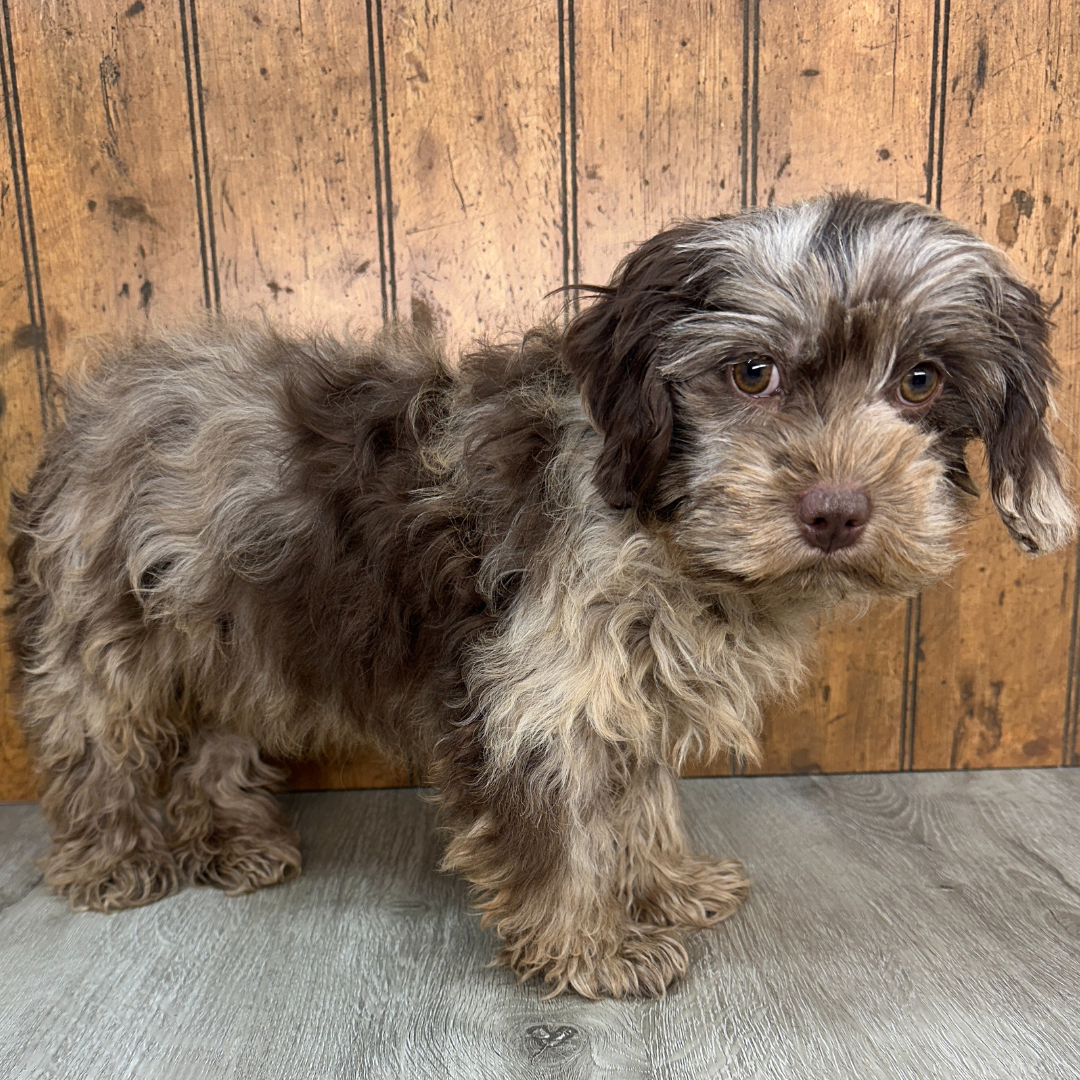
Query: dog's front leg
(663, 883)
(542, 842)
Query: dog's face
(791, 390)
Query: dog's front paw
(92, 883)
(641, 961)
(691, 894)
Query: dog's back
(296, 537)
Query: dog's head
(791, 390)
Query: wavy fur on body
(553, 572)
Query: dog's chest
(655, 669)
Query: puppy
(553, 572)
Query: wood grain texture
(363, 769)
(322, 161)
(109, 166)
(21, 417)
(843, 99)
(659, 113)
(843, 104)
(293, 215)
(846, 718)
(993, 659)
(899, 926)
(113, 218)
(474, 160)
(287, 112)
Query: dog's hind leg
(99, 795)
(227, 828)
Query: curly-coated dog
(555, 571)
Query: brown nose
(832, 517)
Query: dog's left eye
(755, 378)
(920, 384)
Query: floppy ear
(612, 350)
(1025, 462)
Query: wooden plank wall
(356, 160)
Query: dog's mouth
(796, 568)
(823, 538)
(879, 561)
(874, 559)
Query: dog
(553, 571)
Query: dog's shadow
(377, 849)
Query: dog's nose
(832, 517)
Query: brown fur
(553, 573)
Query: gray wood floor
(922, 925)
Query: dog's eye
(920, 384)
(756, 378)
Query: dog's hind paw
(91, 884)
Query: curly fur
(553, 572)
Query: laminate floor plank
(915, 925)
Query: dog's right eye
(757, 377)
(920, 385)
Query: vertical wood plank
(995, 637)
(473, 113)
(109, 165)
(287, 110)
(295, 212)
(468, 157)
(843, 99)
(843, 104)
(659, 101)
(847, 716)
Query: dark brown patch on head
(612, 348)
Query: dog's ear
(612, 349)
(1025, 463)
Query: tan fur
(227, 829)
(552, 574)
